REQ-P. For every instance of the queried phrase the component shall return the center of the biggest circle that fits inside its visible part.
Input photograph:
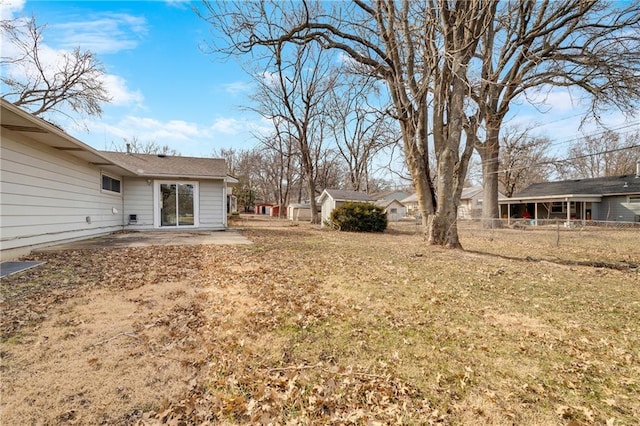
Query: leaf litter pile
(309, 326)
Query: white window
(110, 184)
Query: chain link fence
(568, 241)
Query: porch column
(568, 213)
(535, 212)
(509, 214)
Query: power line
(567, 160)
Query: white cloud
(120, 94)
(238, 87)
(103, 33)
(270, 78)
(178, 3)
(556, 99)
(8, 8)
(228, 126)
(187, 137)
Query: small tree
(135, 145)
(359, 217)
(523, 160)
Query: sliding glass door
(177, 204)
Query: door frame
(157, 203)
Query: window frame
(111, 180)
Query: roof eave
(560, 197)
(60, 140)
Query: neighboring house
(471, 202)
(470, 206)
(394, 209)
(391, 195)
(299, 211)
(333, 198)
(615, 198)
(411, 204)
(55, 188)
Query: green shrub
(359, 217)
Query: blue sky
(166, 90)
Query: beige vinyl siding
(212, 204)
(138, 200)
(48, 194)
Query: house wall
(401, 211)
(138, 200)
(328, 204)
(213, 201)
(412, 208)
(297, 213)
(618, 209)
(49, 196)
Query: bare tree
(245, 165)
(421, 50)
(360, 130)
(607, 154)
(137, 146)
(532, 45)
(42, 85)
(290, 94)
(523, 160)
(281, 165)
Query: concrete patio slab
(153, 238)
(13, 267)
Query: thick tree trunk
(418, 164)
(489, 152)
(449, 122)
(315, 217)
(442, 226)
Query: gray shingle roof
(345, 195)
(627, 184)
(152, 165)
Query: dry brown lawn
(309, 326)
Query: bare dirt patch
(309, 326)
(106, 352)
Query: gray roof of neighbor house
(153, 165)
(391, 195)
(386, 203)
(346, 195)
(413, 198)
(467, 193)
(612, 185)
(471, 191)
